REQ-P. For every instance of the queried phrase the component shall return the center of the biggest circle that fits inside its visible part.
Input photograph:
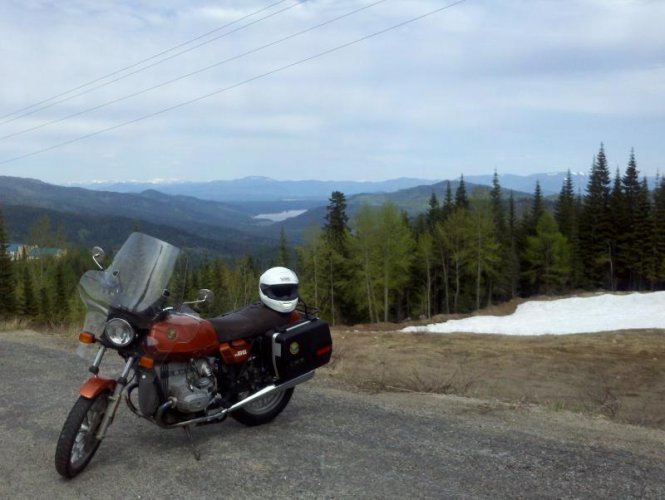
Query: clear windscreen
(134, 282)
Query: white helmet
(278, 289)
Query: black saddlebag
(301, 347)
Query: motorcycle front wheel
(263, 410)
(78, 441)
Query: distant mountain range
(193, 214)
(260, 189)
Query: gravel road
(328, 443)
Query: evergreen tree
(567, 214)
(461, 199)
(658, 274)
(513, 253)
(7, 283)
(336, 228)
(448, 205)
(595, 227)
(433, 211)
(633, 211)
(500, 285)
(644, 234)
(617, 221)
(537, 209)
(497, 206)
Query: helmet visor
(287, 291)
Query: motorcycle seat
(249, 321)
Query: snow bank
(565, 316)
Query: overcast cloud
(522, 86)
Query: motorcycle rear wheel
(263, 410)
(78, 442)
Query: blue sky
(521, 86)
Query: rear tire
(77, 443)
(263, 410)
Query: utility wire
(201, 70)
(236, 85)
(46, 103)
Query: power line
(28, 110)
(236, 85)
(201, 70)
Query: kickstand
(196, 453)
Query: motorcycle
(184, 370)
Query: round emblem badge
(294, 348)
(171, 334)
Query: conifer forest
(469, 250)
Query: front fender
(96, 385)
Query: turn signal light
(146, 362)
(86, 338)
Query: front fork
(96, 384)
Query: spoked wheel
(78, 439)
(263, 410)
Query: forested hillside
(469, 249)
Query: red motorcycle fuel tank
(181, 336)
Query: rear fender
(96, 385)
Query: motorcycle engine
(193, 384)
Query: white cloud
(479, 83)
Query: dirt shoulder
(619, 375)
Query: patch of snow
(281, 216)
(598, 313)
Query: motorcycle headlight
(119, 332)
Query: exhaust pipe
(221, 414)
(267, 391)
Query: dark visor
(280, 292)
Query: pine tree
(433, 211)
(336, 233)
(513, 253)
(595, 228)
(537, 210)
(617, 218)
(567, 217)
(659, 234)
(461, 199)
(501, 284)
(644, 235)
(633, 210)
(448, 205)
(7, 283)
(497, 206)
(336, 228)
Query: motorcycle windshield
(134, 282)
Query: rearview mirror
(205, 296)
(98, 255)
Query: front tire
(263, 410)
(78, 442)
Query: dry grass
(617, 374)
